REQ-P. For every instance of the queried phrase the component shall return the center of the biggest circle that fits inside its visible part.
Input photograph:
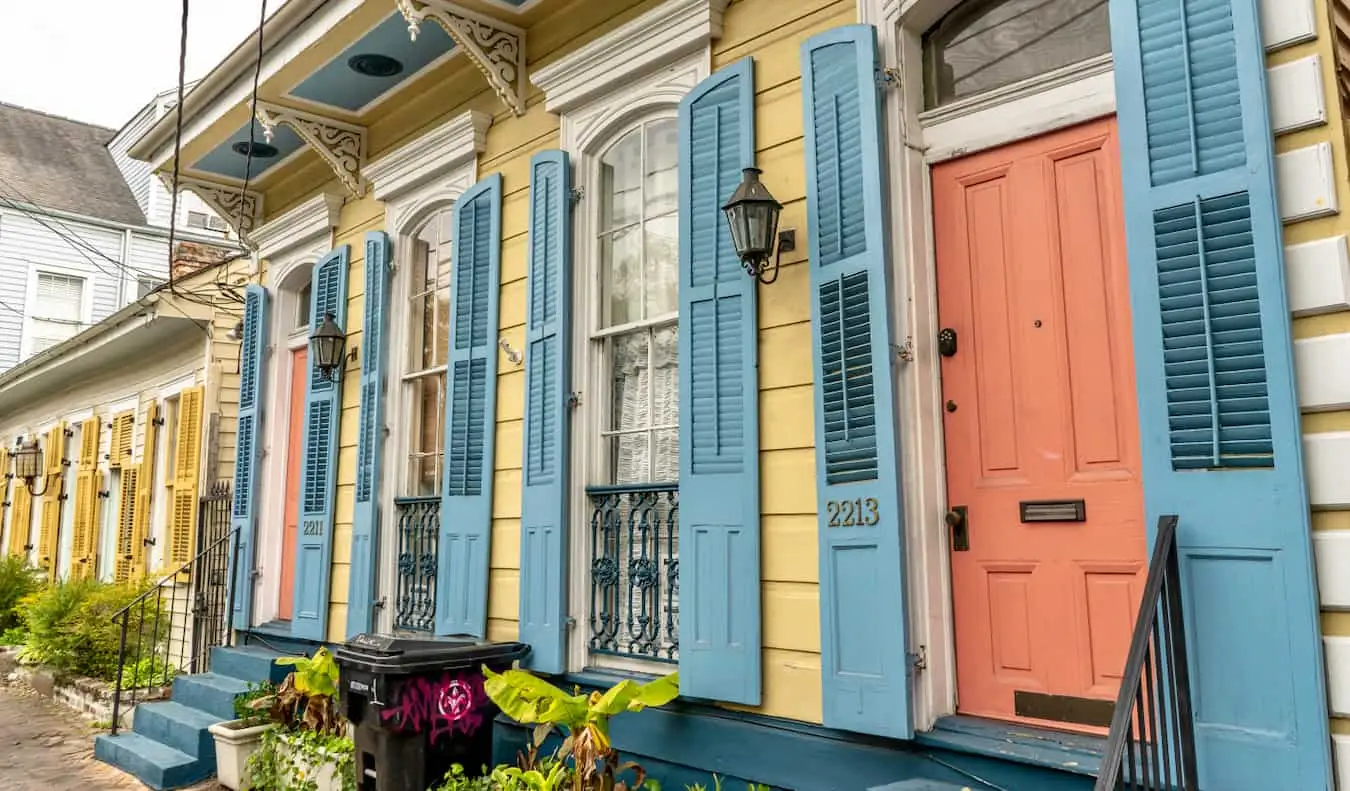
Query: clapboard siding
(138, 174)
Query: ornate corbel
(241, 210)
(341, 145)
(496, 48)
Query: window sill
(1069, 752)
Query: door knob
(947, 342)
(957, 519)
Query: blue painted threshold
(169, 745)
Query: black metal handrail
(174, 624)
(1152, 740)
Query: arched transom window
(987, 44)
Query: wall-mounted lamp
(752, 215)
(236, 332)
(28, 466)
(326, 345)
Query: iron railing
(419, 524)
(635, 571)
(172, 627)
(1151, 745)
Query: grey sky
(101, 61)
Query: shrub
(70, 628)
(17, 580)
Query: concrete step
(157, 765)
(209, 692)
(179, 727)
(248, 663)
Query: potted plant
(238, 739)
(309, 749)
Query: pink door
(1041, 427)
(295, 453)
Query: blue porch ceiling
(223, 160)
(338, 84)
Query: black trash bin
(418, 706)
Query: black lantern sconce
(752, 215)
(28, 467)
(326, 346)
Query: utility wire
(252, 116)
(178, 136)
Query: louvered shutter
(20, 521)
(50, 526)
(187, 462)
(1219, 418)
(548, 365)
(719, 400)
(248, 454)
(318, 472)
(470, 412)
(124, 560)
(370, 440)
(6, 501)
(863, 656)
(84, 539)
(119, 447)
(145, 493)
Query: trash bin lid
(387, 653)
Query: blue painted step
(157, 765)
(210, 692)
(169, 745)
(920, 785)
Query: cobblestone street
(44, 747)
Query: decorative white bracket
(496, 48)
(241, 210)
(341, 145)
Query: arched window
(428, 317)
(637, 333)
(987, 44)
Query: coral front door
(295, 454)
(1048, 543)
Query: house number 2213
(863, 512)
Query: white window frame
(86, 301)
(917, 140)
(292, 244)
(640, 70)
(65, 529)
(415, 182)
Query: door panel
(295, 454)
(1040, 406)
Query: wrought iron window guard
(419, 520)
(635, 571)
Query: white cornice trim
(305, 225)
(671, 30)
(439, 151)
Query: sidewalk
(44, 747)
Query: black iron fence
(419, 524)
(635, 570)
(172, 626)
(1152, 741)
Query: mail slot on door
(1053, 511)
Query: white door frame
(917, 140)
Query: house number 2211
(863, 512)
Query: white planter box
(234, 745)
(324, 776)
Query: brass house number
(863, 512)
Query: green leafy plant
(15, 635)
(17, 580)
(243, 703)
(294, 760)
(149, 671)
(584, 719)
(307, 699)
(70, 627)
(717, 786)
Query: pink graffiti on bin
(444, 706)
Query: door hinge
(576, 195)
(574, 399)
(918, 660)
(380, 603)
(888, 77)
(904, 352)
(570, 623)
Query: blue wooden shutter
(470, 412)
(548, 381)
(1218, 415)
(370, 440)
(318, 479)
(243, 510)
(719, 400)
(863, 620)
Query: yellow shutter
(6, 502)
(119, 447)
(126, 526)
(50, 525)
(20, 520)
(84, 541)
(145, 485)
(186, 476)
